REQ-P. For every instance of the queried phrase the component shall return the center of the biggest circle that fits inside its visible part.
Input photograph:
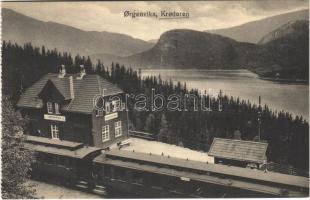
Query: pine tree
(88, 66)
(16, 160)
(150, 123)
(163, 131)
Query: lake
(244, 84)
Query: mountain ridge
(22, 29)
(248, 32)
(285, 30)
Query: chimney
(71, 87)
(62, 71)
(82, 72)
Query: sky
(109, 16)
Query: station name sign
(55, 117)
(185, 178)
(111, 116)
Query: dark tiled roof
(238, 150)
(84, 91)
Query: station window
(49, 107)
(108, 107)
(120, 174)
(105, 133)
(49, 159)
(107, 171)
(118, 128)
(55, 131)
(116, 105)
(99, 112)
(60, 160)
(137, 178)
(123, 107)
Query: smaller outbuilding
(239, 153)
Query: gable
(51, 93)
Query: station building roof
(85, 89)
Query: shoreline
(277, 80)
(288, 81)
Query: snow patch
(157, 148)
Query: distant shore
(282, 80)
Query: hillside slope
(253, 31)
(182, 48)
(21, 29)
(285, 56)
(294, 29)
(289, 48)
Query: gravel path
(50, 191)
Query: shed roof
(85, 90)
(58, 147)
(53, 143)
(78, 153)
(239, 150)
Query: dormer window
(57, 108)
(49, 107)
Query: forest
(287, 136)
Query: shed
(238, 152)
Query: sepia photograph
(154, 99)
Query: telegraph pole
(127, 119)
(259, 117)
(220, 101)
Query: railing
(142, 135)
(285, 169)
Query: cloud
(108, 16)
